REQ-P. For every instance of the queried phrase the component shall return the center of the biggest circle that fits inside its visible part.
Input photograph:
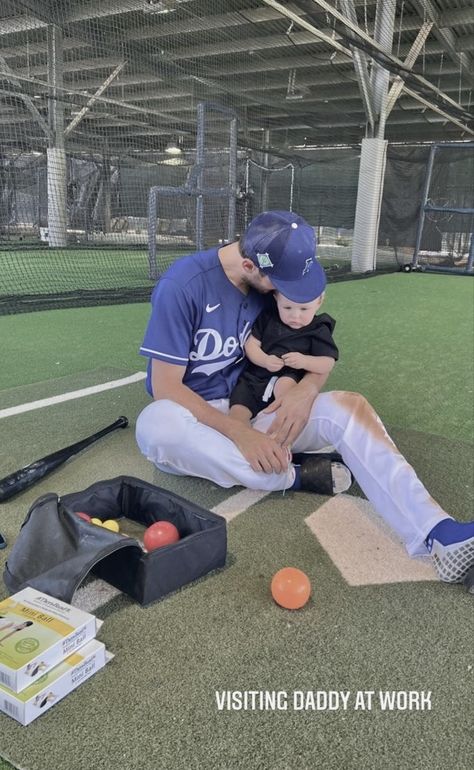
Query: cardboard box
(34, 700)
(37, 632)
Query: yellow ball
(112, 525)
(97, 522)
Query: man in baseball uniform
(203, 309)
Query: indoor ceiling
(298, 74)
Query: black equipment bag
(56, 549)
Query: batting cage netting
(445, 234)
(135, 131)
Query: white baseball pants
(172, 438)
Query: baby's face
(293, 314)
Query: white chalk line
(236, 504)
(71, 395)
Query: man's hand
(273, 363)
(260, 450)
(295, 360)
(294, 408)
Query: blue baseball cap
(283, 246)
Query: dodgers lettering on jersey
(211, 346)
(200, 320)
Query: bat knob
(124, 421)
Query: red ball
(291, 588)
(83, 515)
(159, 534)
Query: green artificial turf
(56, 343)
(54, 271)
(153, 707)
(405, 342)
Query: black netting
(103, 103)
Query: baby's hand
(273, 364)
(294, 360)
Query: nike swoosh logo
(210, 308)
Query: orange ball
(290, 588)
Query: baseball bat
(25, 477)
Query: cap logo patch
(307, 266)
(264, 260)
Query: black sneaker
(326, 476)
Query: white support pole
(383, 34)
(415, 50)
(360, 66)
(57, 212)
(56, 154)
(369, 201)
(266, 163)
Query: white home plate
(361, 545)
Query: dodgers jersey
(200, 320)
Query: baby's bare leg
(240, 413)
(282, 386)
